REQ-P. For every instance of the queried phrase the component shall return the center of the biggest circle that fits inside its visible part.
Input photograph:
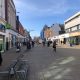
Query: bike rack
(17, 70)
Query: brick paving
(68, 46)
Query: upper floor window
(79, 27)
(68, 30)
(74, 28)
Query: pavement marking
(69, 59)
(64, 72)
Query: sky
(34, 14)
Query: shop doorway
(1, 43)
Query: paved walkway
(42, 58)
(9, 56)
(68, 46)
(45, 64)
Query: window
(74, 28)
(68, 30)
(79, 27)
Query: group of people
(28, 44)
(50, 42)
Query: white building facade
(72, 26)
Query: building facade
(72, 26)
(42, 34)
(10, 17)
(8, 31)
(48, 33)
(2, 34)
(2, 25)
(58, 32)
(2, 9)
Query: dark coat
(28, 45)
(0, 59)
(54, 44)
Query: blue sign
(2, 28)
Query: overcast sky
(34, 14)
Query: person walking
(28, 45)
(48, 43)
(0, 59)
(33, 43)
(43, 43)
(18, 47)
(54, 45)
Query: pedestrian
(0, 59)
(54, 45)
(43, 43)
(33, 43)
(28, 45)
(48, 43)
(18, 47)
(61, 42)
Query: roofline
(78, 13)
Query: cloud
(40, 7)
(43, 8)
(39, 12)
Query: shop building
(10, 17)
(72, 26)
(2, 35)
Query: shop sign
(64, 36)
(74, 34)
(2, 28)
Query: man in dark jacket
(54, 46)
(0, 59)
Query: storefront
(2, 44)
(2, 38)
(12, 40)
(75, 38)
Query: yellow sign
(74, 34)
